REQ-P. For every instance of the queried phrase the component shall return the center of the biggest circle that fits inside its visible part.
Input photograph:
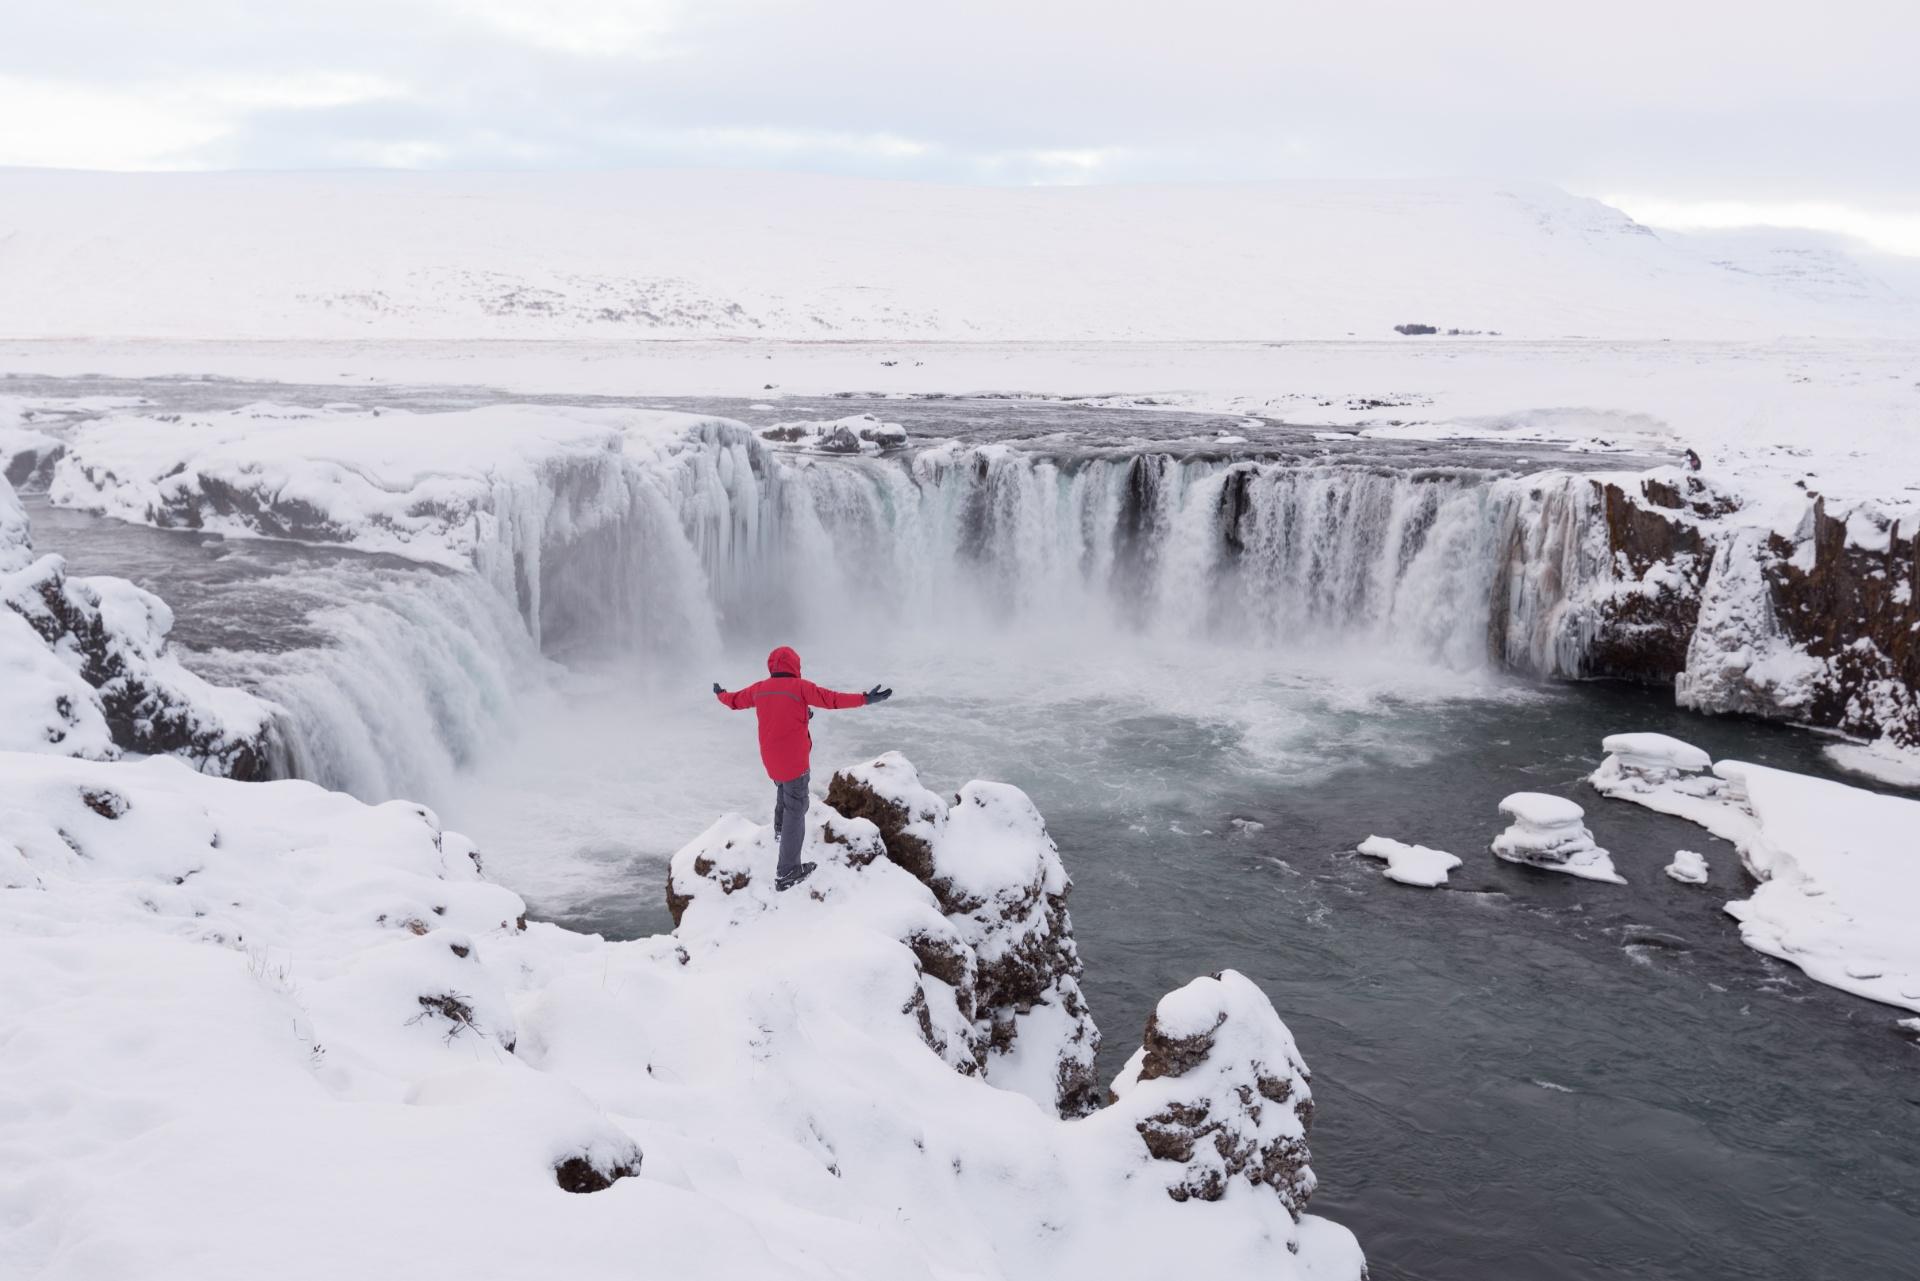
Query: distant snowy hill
(715, 254)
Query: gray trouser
(790, 820)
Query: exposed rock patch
(1220, 1091)
(580, 1174)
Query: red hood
(784, 659)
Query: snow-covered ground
(263, 1029)
(710, 254)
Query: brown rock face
(1644, 636)
(855, 799)
(1857, 609)
(1022, 953)
(578, 1174)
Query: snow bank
(431, 487)
(85, 670)
(207, 976)
(1410, 864)
(1547, 832)
(1839, 868)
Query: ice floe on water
(1838, 866)
(1547, 832)
(1688, 867)
(1410, 864)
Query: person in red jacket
(784, 703)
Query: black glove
(878, 694)
(717, 689)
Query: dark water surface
(1528, 1075)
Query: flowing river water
(1520, 1076)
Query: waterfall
(659, 557)
(1449, 565)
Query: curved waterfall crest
(658, 554)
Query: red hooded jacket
(782, 700)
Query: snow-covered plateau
(385, 255)
(266, 1029)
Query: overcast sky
(1687, 112)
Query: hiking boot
(788, 880)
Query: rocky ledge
(1669, 582)
(974, 888)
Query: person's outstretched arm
(835, 700)
(739, 700)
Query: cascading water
(1442, 564)
(656, 561)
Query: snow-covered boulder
(194, 963)
(1689, 867)
(855, 434)
(1217, 1089)
(1409, 864)
(85, 670)
(1548, 832)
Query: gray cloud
(1704, 99)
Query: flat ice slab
(1538, 809)
(1656, 751)
(1410, 864)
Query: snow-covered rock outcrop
(854, 434)
(195, 963)
(1548, 832)
(85, 670)
(974, 888)
(1218, 1091)
(1838, 866)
